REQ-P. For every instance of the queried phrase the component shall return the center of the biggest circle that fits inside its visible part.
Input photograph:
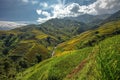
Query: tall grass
(104, 63)
(108, 59)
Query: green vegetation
(93, 63)
(29, 45)
(103, 64)
(62, 50)
(64, 29)
(90, 38)
(21, 49)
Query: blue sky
(32, 11)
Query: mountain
(22, 48)
(107, 27)
(61, 49)
(90, 37)
(90, 55)
(93, 54)
(114, 17)
(64, 29)
(7, 25)
(86, 18)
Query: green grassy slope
(103, 64)
(91, 63)
(90, 38)
(20, 49)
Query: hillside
(64, 29)
(22, 49)
(98, 62)
(61, 49)
(90, 38)
(108, 27)
(93, 55)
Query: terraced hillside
(92, 63)
(22, 49)
(90, 38)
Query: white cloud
(105, 6)
(39, 11)
(25, 1)
(61, 10)
(42, 20)
(34, 2)
(45, 5)
(45, 13)
(30, 1)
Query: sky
(39, 11)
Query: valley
(62, 49)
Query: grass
(39, 34)
(104, 64)
(57, 67)
(92, 63)
(108, 59)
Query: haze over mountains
(7, 25)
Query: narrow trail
(53, 52)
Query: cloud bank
(61, 10)
(7, 25)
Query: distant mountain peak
(87, 18)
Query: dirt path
(53, 52)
